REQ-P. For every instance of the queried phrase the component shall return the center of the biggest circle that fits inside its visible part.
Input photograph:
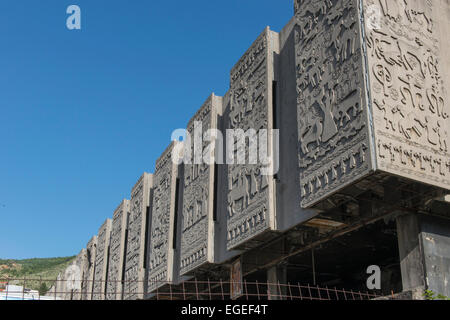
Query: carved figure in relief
(432, 130)
(384, 77)
(443, 134)
(244, 187)
(351, 106)
(326, 101)
(390, 121)
(196, 208)
(411, 92)
(308, 17)
(312, 132)
(311, 69)
(384, 47)
(160, 223)
(327, 110)
(335, 13)
(431, 65)
(411, 57)
(305, 25)
(344, 37)
(408, 124)
(436, 103)
(239, 193)
(246, 98)
(315, 7)
(391, 9)
(419, 8)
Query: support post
(424, 245)
(277, 280)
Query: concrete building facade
(353, 96)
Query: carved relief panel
(408, 70)
(116, 252)
(101, 261)
(162, 208)
(88, 271)
(250, 193)
(198, 190)
(134, 265)
(334, 130)
(80, 262)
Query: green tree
(43, 289)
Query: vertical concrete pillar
(424, 245)
(117, 252)
(136, 242)
(163, 254)
(101, 261)
(88, 273)
(277, 280)
(411, 259)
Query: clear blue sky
(85, 113)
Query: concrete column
(277, 279)
(411, 259)
(424, 245)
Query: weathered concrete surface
(198, 219)
(136, 243)
(117, 252)
(416, 294)
(289, 212)
(101, 261)
(80, 263)
(263, 95)
(60, 286)
(162, 260)
(372, 90)
(424, 244)
(408, 67)
(411, 259)
(221, 252)
(277, 275)
(87, 284)
(436, 248)
(51, 292)
(251, 196)
(333, 118)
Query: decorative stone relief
(251, 106)
(88, 270)
(101, 261)
(80, 263)
(198, 188)
(116, 252)
(334, 136)
(160, 226)
(134, 265)
(408, 91)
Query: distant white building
(12, 292)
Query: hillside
(46, 269)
